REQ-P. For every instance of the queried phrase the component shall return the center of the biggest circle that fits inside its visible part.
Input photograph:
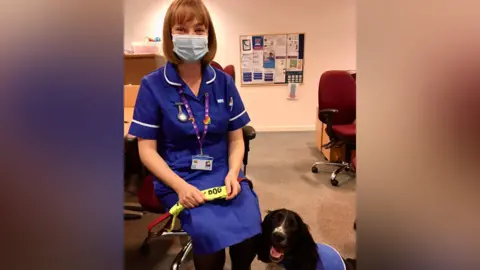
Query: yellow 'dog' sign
(210, 194)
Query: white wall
(330, 43)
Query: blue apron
(214, 225)
(329, 259)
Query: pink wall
(330, 37)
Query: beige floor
(280, 166)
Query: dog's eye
(290, 223)
(279, 217)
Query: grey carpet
(280, 167)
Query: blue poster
(257, 42)
(247, 76)
(269, 59)
(268, 77)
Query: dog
(286, 242)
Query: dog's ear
(306, 256)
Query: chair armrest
(249, 133)
(326, 116)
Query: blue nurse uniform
(218, 224)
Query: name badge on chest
(202, 163)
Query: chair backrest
(230, 70)
(216, 65)
(337, 90)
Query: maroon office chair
(248, 131)
(337, 110)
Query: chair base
(342, 166)
(181, 256)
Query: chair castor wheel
(145, 249)
(314, 169)
(334, 182)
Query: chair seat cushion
(345, 131)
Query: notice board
(275, 59)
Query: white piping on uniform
(214, 75)
(179, 84)
(240, 114)
(168, 81)
(144, 124)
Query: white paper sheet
(292, 45)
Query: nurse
(188, 118)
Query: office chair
(150, 203)
(337, 110)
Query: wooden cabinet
(136, 66)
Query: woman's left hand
(233, 186)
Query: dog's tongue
(275, 254)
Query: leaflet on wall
(247, 71)
(269, 52)
(292, 45)
(246, 44)
(295, 64)
(258, 75)
(247, 61)
(257, 59)
(257, 43)
(280, 66)
(269, 75)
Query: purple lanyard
(192, 118)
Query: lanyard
(206, 121)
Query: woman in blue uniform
(188, 118)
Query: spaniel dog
(286, 242)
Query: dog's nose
(278, 238)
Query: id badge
(202, 163)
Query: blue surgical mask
(190, 48)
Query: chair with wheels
(337, 110)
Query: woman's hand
(189, 196)
(233, 186)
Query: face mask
(190, 48)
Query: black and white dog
(286, 242)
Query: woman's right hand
(189, 196)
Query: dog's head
(286, 239)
